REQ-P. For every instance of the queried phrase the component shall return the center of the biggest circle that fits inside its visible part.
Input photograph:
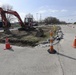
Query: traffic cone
(7, 44)
(51, 50)
(74, 43)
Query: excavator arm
(4, 19)
(17, 15)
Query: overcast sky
(62, 9)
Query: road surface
(66, 52)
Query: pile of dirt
(26, 38)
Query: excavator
(26, 25)
(6, 24)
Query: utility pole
(37, 16)
(40, 17)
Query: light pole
(37, 16)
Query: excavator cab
(28, 22)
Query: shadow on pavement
(66, 56)
(11, 49)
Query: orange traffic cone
(74, 43)
(7, 44)
(51, 50)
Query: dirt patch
(26, 38)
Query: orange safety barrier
(51, 50)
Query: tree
(63, 22)
(51, 20)
(74, 22)
(8, 7)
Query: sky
(64, 10)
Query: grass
(31, 38)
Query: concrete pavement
(28, 61)
(66, 53)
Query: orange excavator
(26, 25)
(6, 24)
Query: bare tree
(8, 7)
